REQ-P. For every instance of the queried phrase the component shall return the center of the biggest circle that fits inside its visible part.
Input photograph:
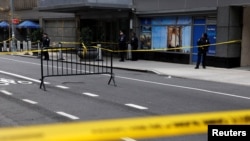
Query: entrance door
(198, 30)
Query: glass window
(211, 32)
(159, 37)
(146, 21)
(184, 20)
(167, 33)
(199, 21)
(145, 39)
(164, 21)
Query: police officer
(203, 45)
(46, 43)
(134, 45)
(122, 45)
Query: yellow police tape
(49, 50)
(137, 128)
(177, 48)
(85, 49)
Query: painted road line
(128, 139)
(29, 101)
(23, 77)
(185, 87)
(136, 106)
(24, 82)
(90, 94)
(63, 87)
(6, 92)
(67, 115)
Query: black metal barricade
(81, 60)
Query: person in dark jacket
(203, 45)
(122, 45)
(45, 44)
(134, 46)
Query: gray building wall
(60, 30)
(229, 28)
(161, 6)
(177, 6)
(245, 52)
(59, 26)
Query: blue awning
(4, 24)
(28, 24)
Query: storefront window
(164, 21)
(174, 38)
(186, 39)
(145, 36)
(167, 33)
(159, 37)
(184, 20)
(211, 32)
(145, 39)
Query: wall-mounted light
(131, 23)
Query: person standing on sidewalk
(122, 45)
(134, 46)
(203, 45)
(46, 43)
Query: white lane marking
(24, 82)
(6, 92)
(21, 61)
(67, 115)
(184, 87)
(136, 106)
(90, 94)
(23, 77)
(128, 139)
(63, 87)
(29, 101)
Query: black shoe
(204, 67)
(196, 68)
(121, 60)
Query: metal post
(129, 52)
(12, 26)
(60, 54)
(99, 52)
(38, 49)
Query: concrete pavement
(239, 76)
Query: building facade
(169, 29)
(224, 21)
(59, 26)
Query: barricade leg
(112, 77)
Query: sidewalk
(239, 76)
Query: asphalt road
(89, 97)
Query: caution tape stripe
(117, 51)
(137, 128)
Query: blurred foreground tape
(137, 128)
